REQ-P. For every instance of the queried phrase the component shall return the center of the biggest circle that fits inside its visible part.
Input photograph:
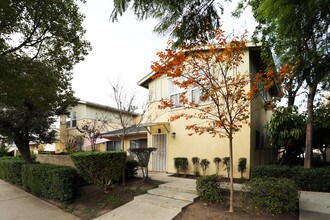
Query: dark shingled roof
(130, 130)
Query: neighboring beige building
(171, 139)
(36, 147)
(88, 112)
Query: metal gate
(159, 156)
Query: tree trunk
(309, 127)
(231, 200)
(291, 98)
(122, 148)
(24, 148)
(93, 145)
(293, 94)
(122, 142)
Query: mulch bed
(189, 176)
(92, 202)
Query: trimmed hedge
(312, 179)
(50, 181)
(209, 188)
(275, 171)
(100, 168)
(10, 169)
(275, 195)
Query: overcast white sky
(125, 49)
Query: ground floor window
(140, 143)
(113, 145)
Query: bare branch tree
(73, 143)
(125, 103)
(92, 129)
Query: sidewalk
(20, 205)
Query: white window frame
(175, 93)
(71, 121)
(197, 100)
(74, 119)
(197, 92)
(265, 95)
(68, 122)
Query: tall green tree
(298, 32)
(40, 42)
(32, 94)
(286, 131)
(184, 20)
(45, 30)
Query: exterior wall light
(173, 134)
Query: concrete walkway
(20, 205)
(162, 203)
(314, 205)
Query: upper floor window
(195, 95)
(71, 121)
(175, 93)
(265, 95)
(74, 119)
(68, 122)
(264, 92)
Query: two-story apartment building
(105, 118)
(171, 138)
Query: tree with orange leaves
(224, 94)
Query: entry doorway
(159, 157)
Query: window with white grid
(175, 92)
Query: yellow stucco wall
(259, 118)
(204, 146)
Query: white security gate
(159, 156)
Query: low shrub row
(50, 181)
(10, 170)
(313, 179)
(60, 182)
(181, 165)
(273, 195)
(44, 180)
